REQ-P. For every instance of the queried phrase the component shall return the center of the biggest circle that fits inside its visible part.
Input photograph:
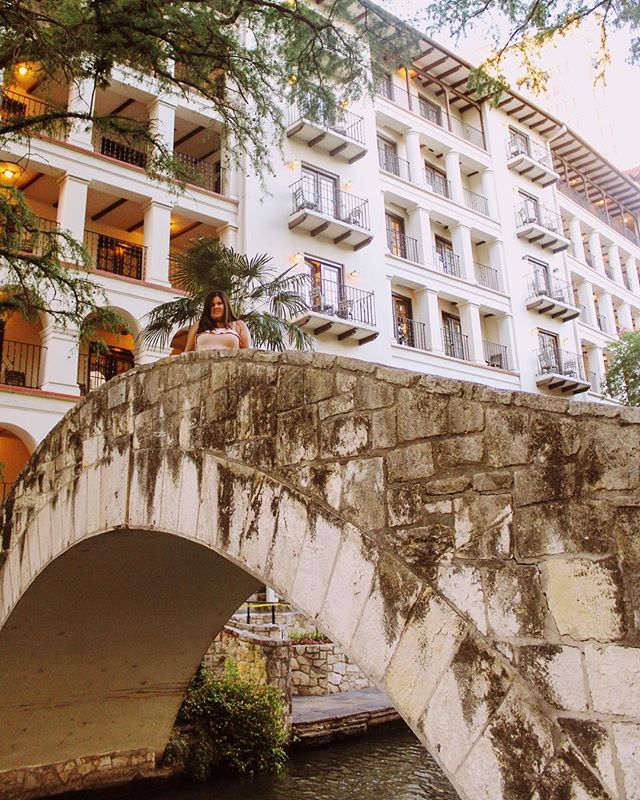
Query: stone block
(340, 404)
(291, 527)
(297, 438)
(593, 742)
(373, 393)
(465, 416)
(383, 428)
(564, 527)
(507, 436)
(424, 546)
(426, 646)
(613, 674)
(567, 776)
(462, 586)
(421, 414)
(556, 672)
(459, 450)
(319, 384)
(410, 463)
(515, 606)
(610, 458)
(483, 525)
(585, 597)
(452, 485)
(345, 436)
(362, 498)
(467, 695)
(315, 564)
(626, 737)
(538, 484)
(492, 481)
(404, 504)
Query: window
(384, 84)
(396, 241)
(436, 181)
(319, 191)
(529, 211)
(518, 142)
(541, 277)
(430, 110)
(326, 288)
(549, 352)
(446, 259)
(388, 155)
(403, 320)
(452, 338)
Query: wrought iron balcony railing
(116, 255)
(340, 300)
(20, 364)
(401, 245)
(129, 151)
(28, 241)
(617, 223)
(455, 344)
(341, 121)
(390, 162)
(601, 322)
(331, 202)
(206, 174)
(496, 355)
(553, 360)
(437, 184)
(540, 283)
(487, 276)
(410, 332)
(519, 145)
(476, 202)
(529, 212)
(447, 261)
(15, 107)
(95, 369)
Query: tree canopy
(623, 372)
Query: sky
(607, 116)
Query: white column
(595, 357)
(60, 362)
(412, 146)
(230, 172)
(80, 101)
(624, 316)
(488, 183)
(595, 249)
(157, 230)
(575, 232)
(614, 263)
(605, 304)
(496, 261)
(632, 273)
(454, 175)
(229, 236)
(72, 205)
(585, 298)
(461, 238)
(420, 228)
(162, 117)
(472, 329)
(508, 338)
(428, 311)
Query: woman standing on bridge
(219, 328)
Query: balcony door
(403, 320)
(529, 208)
(453, 339)
(445, 256)
(320, 191)
(325, 286)
(549, 352)
(396, 241)
(436, 180)
(429, 110)
(388, 155)
(519, 142)
(541, 277)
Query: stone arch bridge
(474, 551)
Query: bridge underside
(96, 656)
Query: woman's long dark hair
(206, 322)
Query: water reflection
(386, 765)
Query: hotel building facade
(441, 235)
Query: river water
(389, 764)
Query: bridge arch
(471, 550)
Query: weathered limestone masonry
(474, 551)
(319, 669)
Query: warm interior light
(292, 79)
(22, 70)
(9, 173)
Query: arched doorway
(15, 451)
(105, 354)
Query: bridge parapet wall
(496, 534)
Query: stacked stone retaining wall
(318, 669)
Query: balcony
(341, 136)
(121, 149)
(32, 242)
(410, 333)
(205, 174)
(496, 355)
(538, 224)
(456, 345)
(95, 369)
(487, 276)
(389, 162)
(15, 106)
(401, 245)
(476, 202)
(601, 322)
(561, 371)
(331, 213)
(447, 261)
(437, 184)
(116, 256)
(530, 159)
(552, 297)
(600, 211)
(20, 364)
(344, 311)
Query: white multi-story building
(441, 235)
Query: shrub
(309, 637)
(228, 723)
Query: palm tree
(267, 301)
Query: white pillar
(229, 236)
(595, 357)
(80, 101)
(461, 238)
(605, 304)
(575, 232)
(624, 316)
(488, 183)
(508, 338)
(157, 230)
(585, 298)
(595, 249)
(454, 175)
(412, 146)
(472, 329)
(230, 178)
(428, 311)
(72, 205)
(632, 273)
(60, 362)
(496, 261)
(162, 117)
(420, 228)
(614, 263)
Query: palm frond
(163, 319)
